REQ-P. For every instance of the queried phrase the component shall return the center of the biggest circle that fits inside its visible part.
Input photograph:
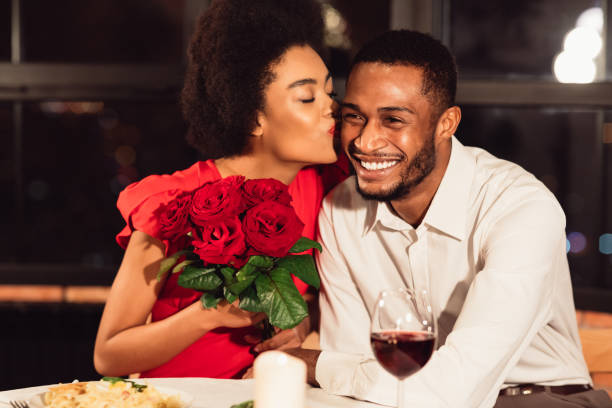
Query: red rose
(217, 200)
(174, 218)
(256, 191)
(272, 228)
(220, 242)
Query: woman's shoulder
(139, 201)
(161, 185)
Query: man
(484, 236)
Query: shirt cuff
(357, 376)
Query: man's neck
(413, 207)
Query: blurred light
(571, 68)
(605, 244)
(591, 18)
(335, 28)
(125, 155)
(80, 108)
(567, 245)
(108, 119)
(38, 190)
(53, 107)
(577, 242)
(583, 41)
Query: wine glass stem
(400, 394)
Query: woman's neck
(254, 167)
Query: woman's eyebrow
(307, 81)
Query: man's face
(387, 129)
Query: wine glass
(403, 333)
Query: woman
(258, 101)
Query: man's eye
(352, 117)
(311, 100)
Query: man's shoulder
(501, 185)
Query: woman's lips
(332, 130)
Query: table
(216, 393)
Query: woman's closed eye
(309, 100)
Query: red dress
(220, 353)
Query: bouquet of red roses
(241, 239)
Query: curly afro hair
(232, 53)
(422, 51)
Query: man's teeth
(378, 165)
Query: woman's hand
(230, 315)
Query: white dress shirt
(491, 250)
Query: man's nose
(370, 139)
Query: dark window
(563, 148)
(112, 31)
(7, 177)
(5, 30)
(78, 156)
(520, 38)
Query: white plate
(38, 401)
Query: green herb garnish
(136, 386)
(245, 404)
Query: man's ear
(448, 122)
(260, 125)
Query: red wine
(402, 353)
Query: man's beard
(421, 165)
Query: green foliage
(304, 244)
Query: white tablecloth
(215, 393)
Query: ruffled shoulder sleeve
(140, 202)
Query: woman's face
(297, 125)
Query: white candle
(280, 380)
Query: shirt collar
(448, 210)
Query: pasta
(101, 394)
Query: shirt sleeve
(342, 367)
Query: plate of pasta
(110, 392)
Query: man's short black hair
(231, 56)
(408, 47)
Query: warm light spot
(125, 155)
(591, 18)
(583, 41)
(574, 68)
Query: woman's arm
(125, 343)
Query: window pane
(112, 31)
(78, 156)
(5, 30)
(563, 149)
(522, 38)
(7, 182)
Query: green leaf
(210, 300)
(169, 262)
(183, 264)
(303, 267)
(199, 278)
(228, 275)
(245, 404)
(238, 287)
(246, 272)
(304, 244)
(261, 261)
(249, 300)
(280, 299)
(229, 296)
